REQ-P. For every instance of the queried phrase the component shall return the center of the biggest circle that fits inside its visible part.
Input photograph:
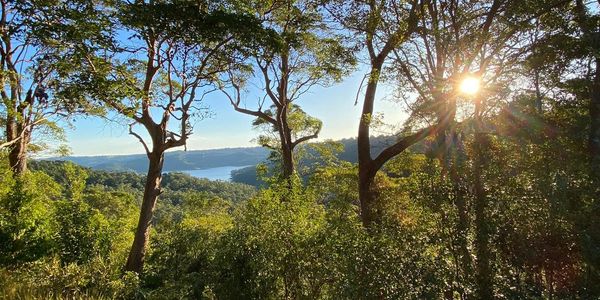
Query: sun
(470, 85)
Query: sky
(226, 128)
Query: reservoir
(220, 173)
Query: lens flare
(470, 85)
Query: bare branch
(306, 138)
(403, 144)
(148, 153)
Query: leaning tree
(378, 27)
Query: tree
(42, 43)
(381, 27)
(458, 41)
(302, 53)
(567, 55)
(588, 24)
(487, 41)
(178, 50)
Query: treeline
(499, 201)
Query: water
(220, 173)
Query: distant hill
(248, 175)
(214, 158)
(174, 161)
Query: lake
(220, 173)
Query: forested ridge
(174, 161)
(490, 189)
(206, 159)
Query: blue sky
(334, 105)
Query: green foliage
(181, 261)
(26, 218)
(51, 279)
(273, 249)
(300, 123)
(82, 232)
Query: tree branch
(140, 139)
(306, 138)
(391, 151)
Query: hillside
(174, 161)
(246, 158)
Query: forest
(489, 189)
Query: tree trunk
(365, 163)
(17, 156)
(135, 261)
(590, 34)
(462, 227)
(287, 155)
(367, 197)
(287, 147)
(594, 135)
(456, 160)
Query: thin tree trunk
(594, 135)
(538, 92)
(135, 260)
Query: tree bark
(367, 197)
(285, 138)
(288, 161)
(17, 156)
(135, 260)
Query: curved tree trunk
(135, 260)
